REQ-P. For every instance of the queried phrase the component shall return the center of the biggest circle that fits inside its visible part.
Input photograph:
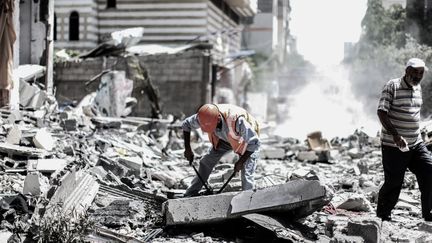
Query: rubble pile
(64, 174)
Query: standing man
(229, 127)
(402, 145)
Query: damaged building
(188, 48)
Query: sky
(322, 27)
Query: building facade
(83, 24)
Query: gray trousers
(209, 161)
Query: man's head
(414, 71)
(208, 117)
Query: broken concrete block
(316, 142)
(98, 171)
(272, 153)
(11, 150)
(35, 184)
(14, 116)
(76, 193)
(46, 165)
(341, 238)
(356, 202)
(105, 124)
(69, 124)
(425, 226)
(274, 225)
(133, 163)
(14, 135)
(282, 197)
(307, 156)
(43, 139)
(368, 228)
(5, 235)
(355, 153)
(196, 210)
(168, 181)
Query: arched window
(74, 26)
(111, 3)
(55, 26)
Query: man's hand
(189, 155)
(399, 141)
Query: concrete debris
(120, 172)
(43, 140)
(76, 193)
(46, 165)
(196, 210)
(12, 150)
(285, 197)
(111, 96)
(357, 203)
(274, 225)
(316, 142)
(35, 184)
(5, 235)
(14, 135)
(367, 228)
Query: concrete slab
(35, 184)
(14, 135)
(307, 156)
(196, 210)
(282, 197)
(11, 149)
(43, 139)
(272, 153)
(5, 235)
(134, 163)
(367, 227)
(46, 165)
(274, 225)
(76, 193)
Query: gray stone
(134, 163)
(46, 165)
(196, 210)
(367, 228)
(272, 153)
(5, 235)
(35, 184)
(425, 226)
(76, 193)
(14, 135)
(307, 156)
(43, 139)
(356, 202)
(286, 196)
(340, 238)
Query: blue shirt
(243, 128)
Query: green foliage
(64, 227)
(382, 52)
(383, 27)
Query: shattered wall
(183, 80)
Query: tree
(382, 51)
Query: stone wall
(183, 80)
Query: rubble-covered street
(114, 179)
(113, 112)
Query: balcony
(244, 8)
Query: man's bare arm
(386, 123)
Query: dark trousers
(395, 162)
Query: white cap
(416, 63)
